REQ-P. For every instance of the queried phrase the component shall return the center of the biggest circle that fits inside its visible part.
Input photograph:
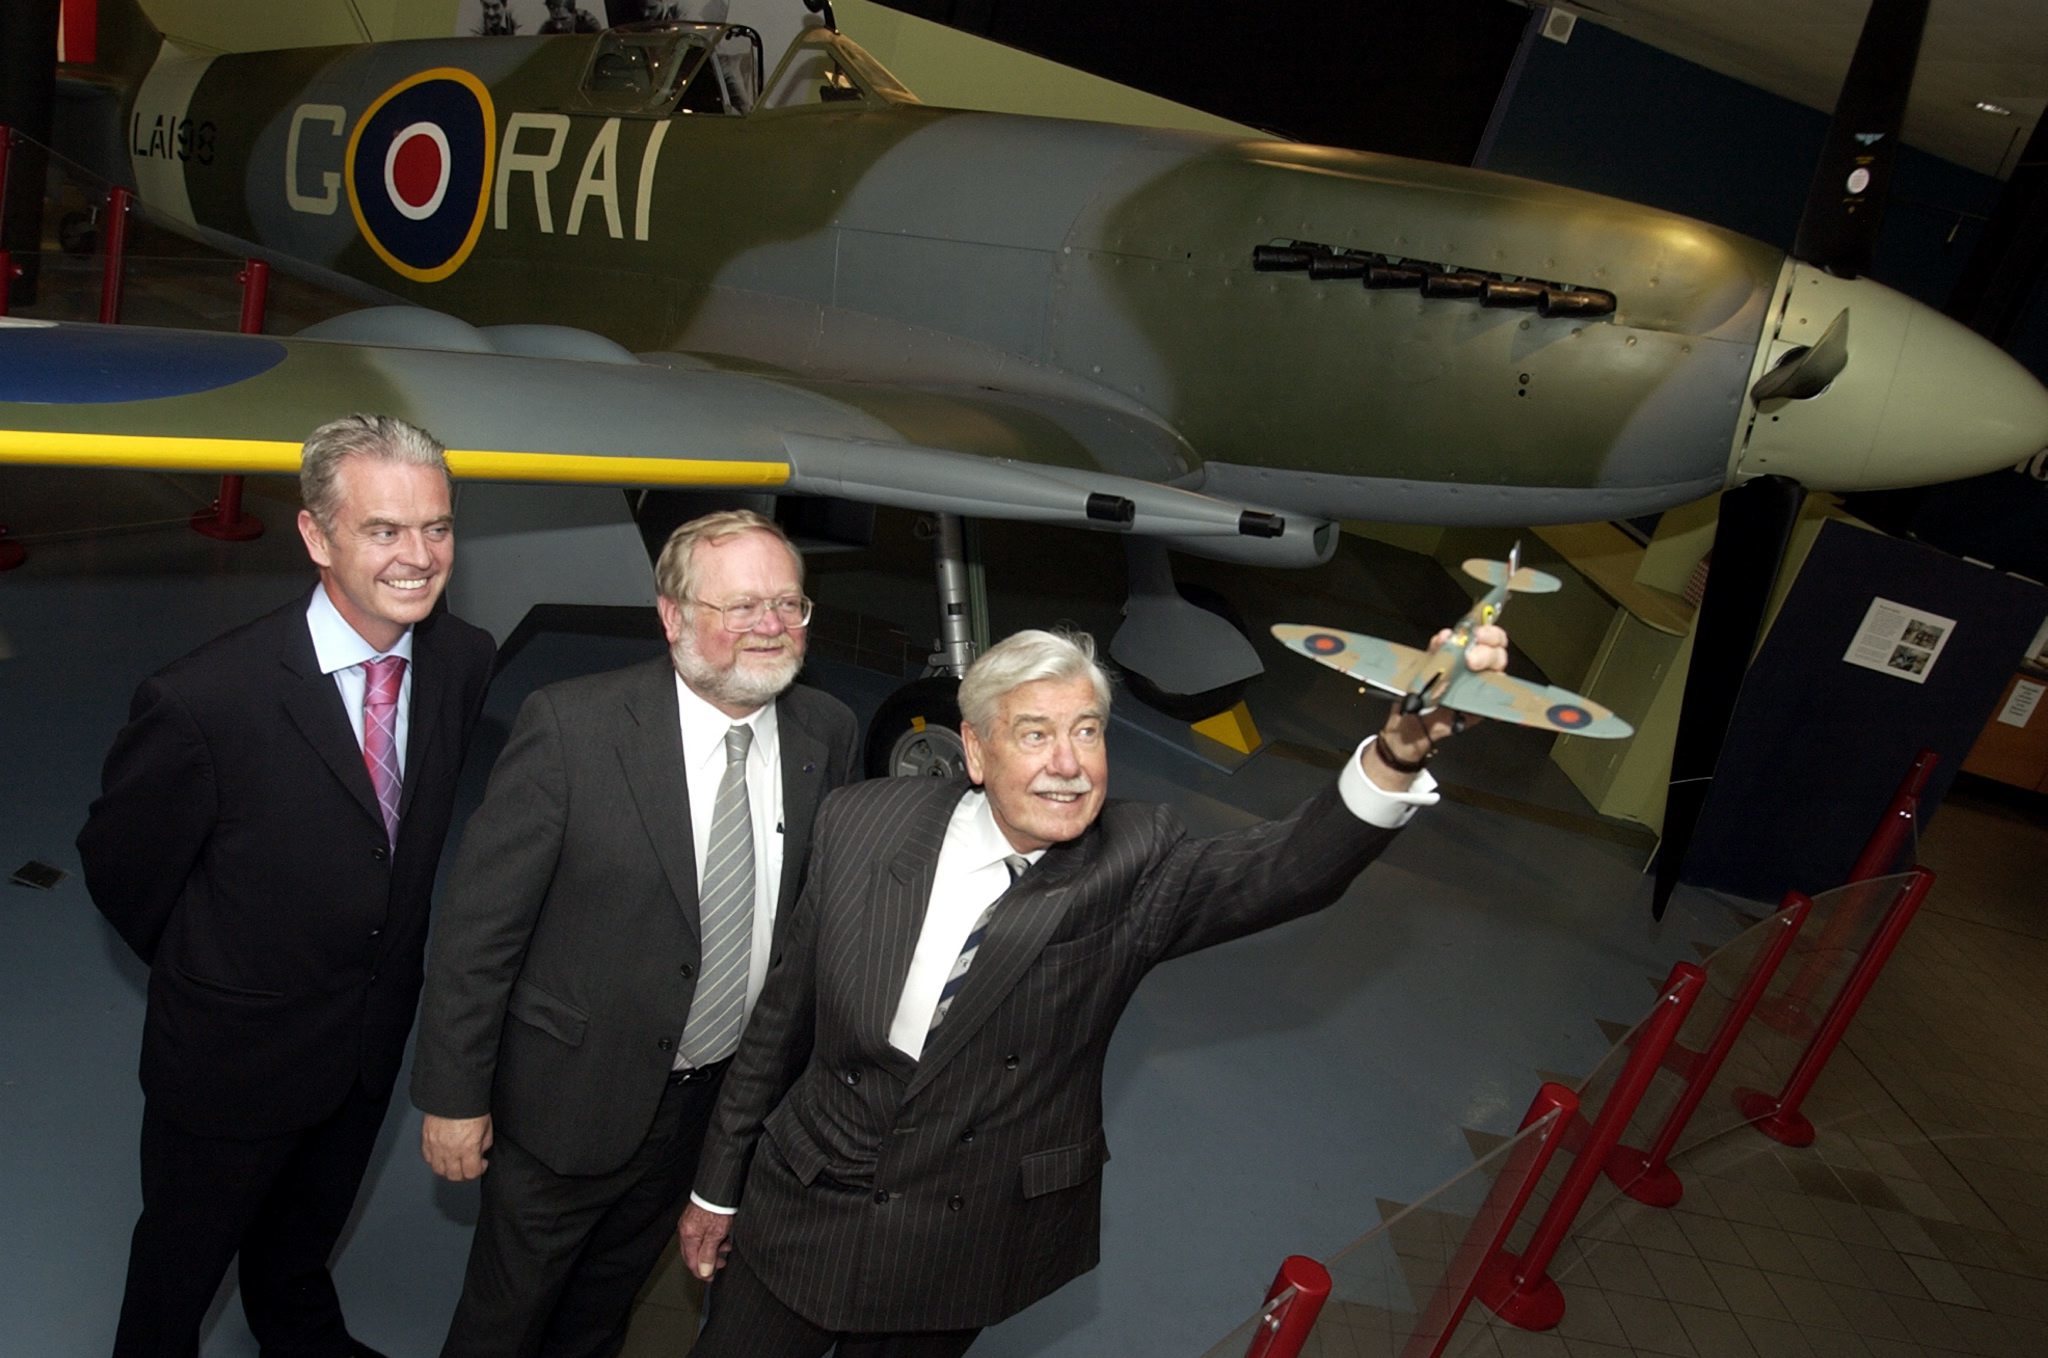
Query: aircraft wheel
(916, 732)
(1194, 706)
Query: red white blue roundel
(419, 171)
(1567, 715)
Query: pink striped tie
(381, 680)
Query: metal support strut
(963, 609)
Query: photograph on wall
(1899, 640)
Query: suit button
(688, 971)
(955, 1203)
(967, 1137)
(666, 1044)
(380, 853)
(881, 1195)
(851, 1077)
(376, 933)
(1010, 1061)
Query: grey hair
(382, 438)
(675, 572)
(1025, 658)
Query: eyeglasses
(744, 615)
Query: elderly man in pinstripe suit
(911, 1131)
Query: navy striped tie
(957, 977)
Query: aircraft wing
(1383, 664)
(1505, 698)
(542, 404)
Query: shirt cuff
(1375, 805)
(714, 1207)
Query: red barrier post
(1791, 1012)
(224, 520)
(1647, 1176)
(1779, 1118)
(118, 200)
(1520, 1291)
(1487, 1240)
(1292, 1304)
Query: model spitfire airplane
(797, 279)
(1423, 680)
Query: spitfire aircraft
(652, 258)
(1424, 680)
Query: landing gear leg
(916, 731)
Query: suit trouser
(279, 1202)
(558, 1258)
(747, 1320)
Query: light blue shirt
(341, 651)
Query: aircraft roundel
(419, 171)
(1322, 643)
(1567, 715)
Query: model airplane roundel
(1439, 678)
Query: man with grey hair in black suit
(266, 840)
(911, 1134)
(609, 920)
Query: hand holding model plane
(1459, 678)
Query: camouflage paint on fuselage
(871, 240)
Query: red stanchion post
(1778, 1117)
(1520, 1290)
(1292, 1304)
(118, 200)
(1646, 1175)
(1792, 1012)
(1487, 1239)
(224, 519)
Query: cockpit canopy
(667, 67)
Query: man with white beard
(607, 927)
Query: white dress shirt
(340, 651)
(972, 872)
(704, 728)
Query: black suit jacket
(237, 847)
(946, 1193)
(566, 954)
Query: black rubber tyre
(1194, 706)
(916, 732)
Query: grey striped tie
(725, 915)
(957, 977)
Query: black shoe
(358, 1349)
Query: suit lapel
(315, 707)
(1028, 915)
(651, 751)
(895, 911)
(803, 779)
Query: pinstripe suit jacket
(882, 1194)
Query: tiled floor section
(1917, 1224)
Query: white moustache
(1077, 787)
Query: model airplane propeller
(1440, 678)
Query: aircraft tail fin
(1525, 580)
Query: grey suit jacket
(565, 954)
(882, 1194)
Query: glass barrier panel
(1396, 1291)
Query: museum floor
(1264, 1098)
